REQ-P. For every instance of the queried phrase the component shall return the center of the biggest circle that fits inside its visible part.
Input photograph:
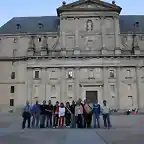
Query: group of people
(75, 115)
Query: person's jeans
(106, 119)
(49, 121)
(85, 120)
(68, 120)
(55, 120)
(42, 121)
(96, 120)
(26, 118)
(73, 121)
(61, 122)
(79, 119)
(35, 120)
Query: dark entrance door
(91, 96)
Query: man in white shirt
(106, 115)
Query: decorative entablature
(87, 6)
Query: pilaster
(102, 32)
(117, 33)
(118, 86)
(43, 85)
(62, 85)
(76, 85)
(63, 40)
(105, 80)
(29, 85)
(77, 34)
(138, 86)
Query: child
(106, 115)
(61, 115)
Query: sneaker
(22, 130)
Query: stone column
(117, 32)
(62, 85)
(118, 86)
(29, 85)
(138, 86)
(105, 81)
(43, 85)
(76, 85)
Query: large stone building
(88, 50)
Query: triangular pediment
(89, 5)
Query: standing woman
(26, 115)
(79, 114)
(61, 115)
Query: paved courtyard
(125, 130)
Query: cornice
(25, 58)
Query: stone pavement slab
(52, 136)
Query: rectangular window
(128, 73)
(11, 102)
(91, 74)
(36, 75)
(12, 89)
(13, 75)
(70, 87)
(111, 73)
(70, 74)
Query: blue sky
(17, 8)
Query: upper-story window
(128, 73)
(40, 25)
(36, 74)
(111, 73)
(18, 26)
(13, 75)
(91, 74)
(70, 74)
(39, 39)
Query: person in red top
(84, 115)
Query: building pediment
(89, 5)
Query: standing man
(73, 121)
(43, 113)
(56, 115)
(35, 114)
(68, 115)
(106, 115)
(49, 114)
(96, 114)
(26, 115)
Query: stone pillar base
(76, 52)
(30, 52)
(44, 52)
(117, 51)
(137, 51)
(103, 51)
(63, 52)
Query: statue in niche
(89, 25)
